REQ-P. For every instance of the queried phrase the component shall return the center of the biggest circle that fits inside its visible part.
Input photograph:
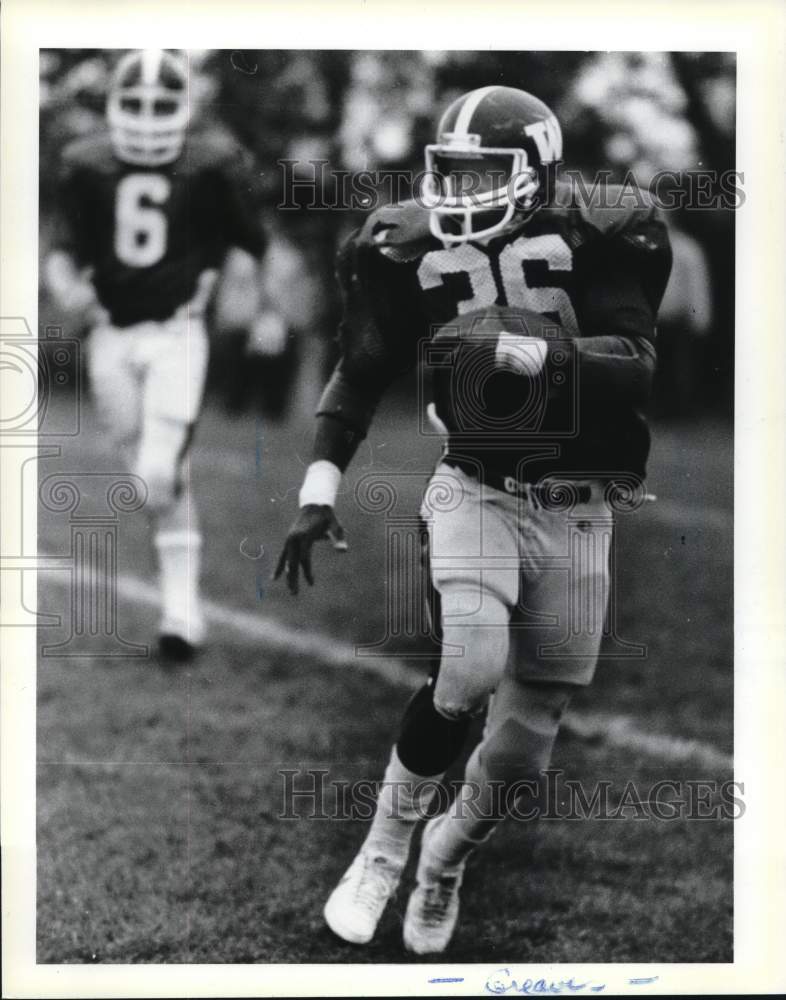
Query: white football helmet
(501, 140)
(148, 107)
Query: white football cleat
(433, 906)
(355, 906)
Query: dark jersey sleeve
(68, 233)
(625, 281)
(241, 210)
(377, 335)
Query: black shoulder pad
(618, 209)
(400, 231)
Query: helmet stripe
(469, 108)
(151, 61)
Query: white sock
(178, 565)
(403, 799)
(469, 821)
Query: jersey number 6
(141, 226)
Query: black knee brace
(429, 742)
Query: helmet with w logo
(148, 107)
(493, 148)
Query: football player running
(148, 210)
(541, 314)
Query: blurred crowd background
(620, 112)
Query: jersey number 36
(511, 288)
(140, 223)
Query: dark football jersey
(148, 232)
(597, 273)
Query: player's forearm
(334, 447)
(343, 417)
(335, 441)
(618, 366)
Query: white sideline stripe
(615, 730)
(624, 732)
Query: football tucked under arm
(495, 361)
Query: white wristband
(321, 484)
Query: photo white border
(756, 30)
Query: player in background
(543, 309)
(148, 210)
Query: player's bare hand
(313, 524)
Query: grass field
(159, 837)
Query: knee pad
(162, 449)
(457, 705)
(429, 741)
(455, 713)
(476, 621)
